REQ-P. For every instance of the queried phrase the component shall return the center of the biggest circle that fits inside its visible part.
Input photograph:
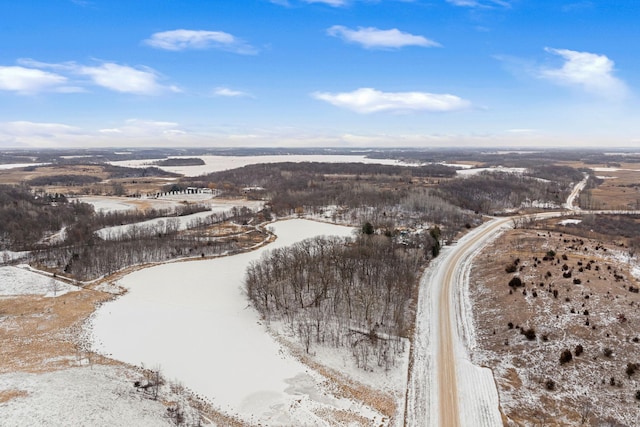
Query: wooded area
(353, 293)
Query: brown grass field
(598, 312)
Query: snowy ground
(100, 396)
(475, 171)
(170, 201)
(177, 222)
(19, 165)
(193, 320)
(22, 281)
(220, 163)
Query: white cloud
(122, 78)
(480, 3)
(138, 128)
(198, 39)
(225, 91)
(588, 71)
(20, 133)
(133, 132)
(116, 77)
(373, 38)
(40, 129)
(30, 81)
(368, 100)
(334, 3)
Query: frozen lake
(193, 320)
(221, 163)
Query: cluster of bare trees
(86, 256)
(496, 191)
(344, 293)
(26, 217)
(111, 218)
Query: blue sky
(352, 73)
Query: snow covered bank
(193, 320)
(22, 281)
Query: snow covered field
(169, 201)
(193, 320)
(22, 281)
(221, 163)
(475, 171)
(6, 166)
(176, 222)
(100, 396)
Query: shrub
(551, 385)
(635, 339)
(510, 325)
(579, 350)
(607, 352)
(631, 369)
(530, 334)
(638, 394)
(565, 356)
(511, 268)
(515, 282)
(577, 281)
(551, 254)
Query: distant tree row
(489, 192)
(362, 192)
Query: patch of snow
(180, 223)
(602, 169)
(8, 256)
(110, 288)
(57, 237)
(97, 396)
(20, 280)
(108, 204)
(457, 165)
(569, 221)
(6, 166)
(475, 171)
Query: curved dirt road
(440, 363)
(445, 388)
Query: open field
(582, 296)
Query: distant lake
(221, 163)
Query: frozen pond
(193, 320)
